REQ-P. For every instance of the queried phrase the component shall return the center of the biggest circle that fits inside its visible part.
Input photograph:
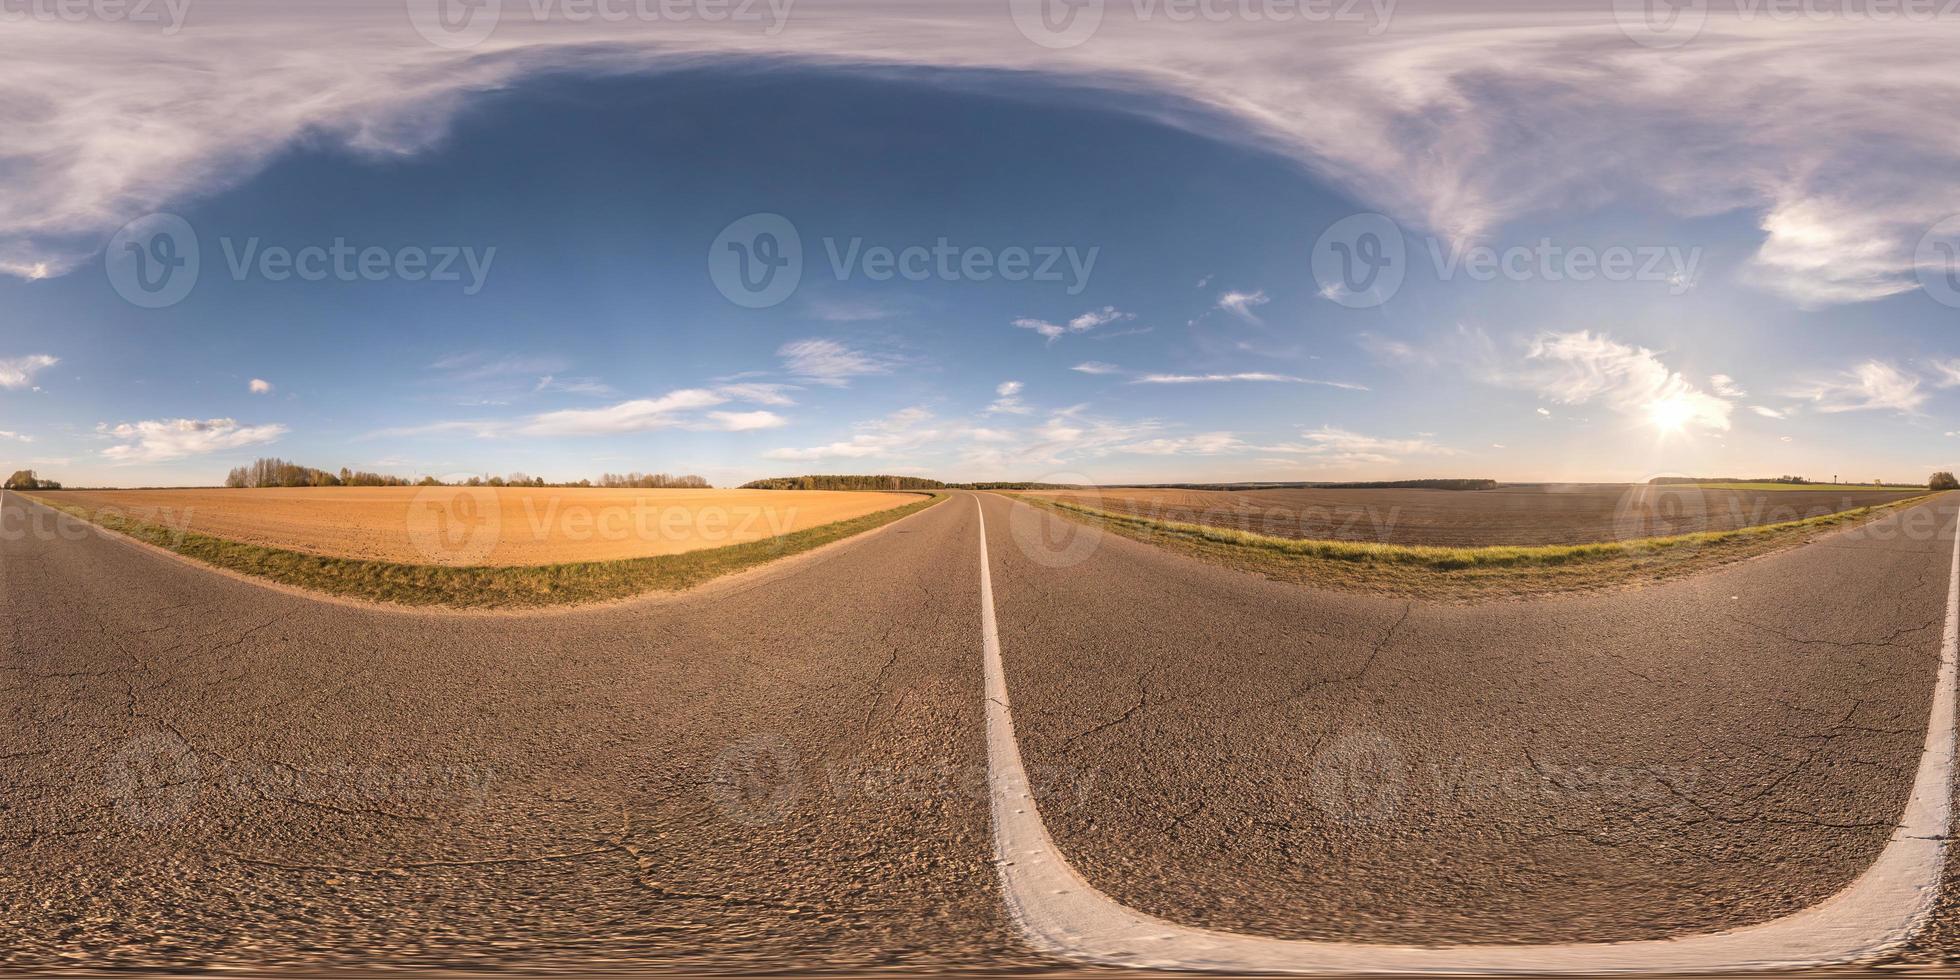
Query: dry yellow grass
(504, 527)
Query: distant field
(1810, 487)
(502, 527)
(1549, 514)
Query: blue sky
(1187, 323)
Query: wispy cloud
(745, 421)
(1871, 386)
(1329, 445)
(638, 415)
(1580, 366)
(574, 386)
(1097, 367)
(1725, 386)
(1242, 304)
(1081, 323)
(260, 386)
(15, 436)
(758, 393)
(1493, 114)
(1767, 412)
(18, 372)
(1008, 400)
(1243, 376)
(821, 361)
(161, 440)
(884, 438)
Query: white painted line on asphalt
(1061, 914)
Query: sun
(1670, 414)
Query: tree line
(26, 480)
(274, 472)
(844, 483)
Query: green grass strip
(1451, 559)
(523, 587)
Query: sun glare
(1670, 414)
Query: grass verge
(1430, 572)
(532, 587)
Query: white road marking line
(1061, 914)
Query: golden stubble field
(484, 526)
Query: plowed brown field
(514, 526)
(1509, 515)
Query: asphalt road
(789, 769)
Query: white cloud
(18, 372)
(1767, 412)
(1870, 386)
(1946, 373)
(574, 386)
(1725, 386)
(1201, 444)
(881, 438)
(1252, 376)
(1390, 349)
(746, 421)
(826, 362)
(1009, 400)
(1329, 445)
(160, 440)
(260, 386)
(1081, 323)
(1096, 367)
(1544, 412)
(15, 436)
(1241, 304)
(758, 393)
(638, 415)
(1579, 367)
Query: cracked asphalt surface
(788, 770)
